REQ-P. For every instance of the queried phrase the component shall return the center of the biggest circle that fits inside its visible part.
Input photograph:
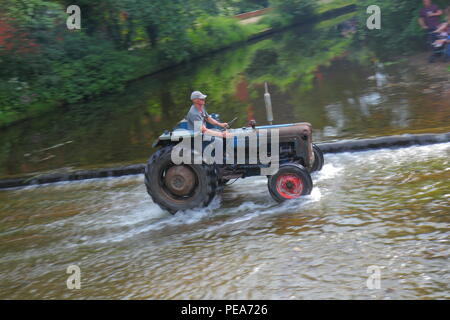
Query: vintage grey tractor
(189, 185)
(179, 185)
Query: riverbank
(142, 62)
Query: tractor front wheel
(290, 182)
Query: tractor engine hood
(299, 135)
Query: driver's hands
(226, 135)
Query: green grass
(335, 21)
(213, 33)
(334, 4)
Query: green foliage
(233, 7)
(334, 4)
(31, 26)
(212, 33)
(13, 94)
(336, 21)
(120, 40)
(164, 22)
(104, 70)
(64, 67)
(32, 15)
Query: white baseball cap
(197, 95)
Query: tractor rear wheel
(179, 187)
(290, 182)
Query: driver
(198, 113)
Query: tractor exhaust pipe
(268, 102)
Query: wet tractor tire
(318, 159)
(197, 188)
(290, 182)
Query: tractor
(176, 186)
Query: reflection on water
(315, 75)
(387, 208)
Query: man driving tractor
(197, 112)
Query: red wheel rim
(289, 186)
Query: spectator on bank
(443, 34)
(429, 16)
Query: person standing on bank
(429, 16)
(198, 113)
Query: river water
(384, 208)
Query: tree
(164, 22)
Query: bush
(212, 33)
(96, 73)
